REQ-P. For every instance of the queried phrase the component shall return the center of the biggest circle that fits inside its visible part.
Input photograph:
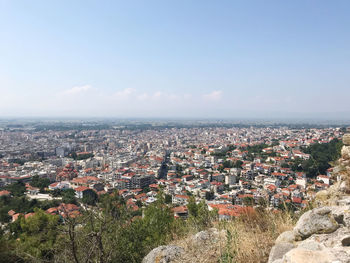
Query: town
(231, 168)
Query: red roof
(81, 189)
(297, 200)
(4, 192)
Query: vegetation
(321, 156)
(250, 238)
(20, 204)
(68, 196)
(81, 156)
(16, 189)
(40, 182)
(108, 232)
(246, 239)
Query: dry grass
(246, 239)
(251, 237)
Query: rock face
(346, 139)
(203, 237)
(345, 152)
(278, 251)
(163, 254)
(190, 249)
(321, 235)
(316, 221)
(301, 255)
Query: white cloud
(125, 93)
(77, 89)
(213, 96)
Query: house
(59, 185)
(301, 182)
(5, 193)
(323, 178)
(79, 191)
(180, 199)
(180, 212)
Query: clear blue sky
(178, 58)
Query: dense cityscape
(228, 167)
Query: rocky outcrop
(190, 249)
(316, 221)
(321, 235)
(163, 254)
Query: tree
(192, 207)
(209, 195)
(238, 164)
(40, 182)
(199, 215)
(17, 189)
(168, 199)
(68, 196)
(56, 193)
(89, 197)
(248, 201)
(321, 155)
(227, 164)
(37, 236)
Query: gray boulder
(346, 139)
(287, 236)
(311, 244)
(316, 221)
(206, 236)
(279, 250)
(163, 254)
(302, 255)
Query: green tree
(17, 189)
(40, 182)
(89, 197)
(168, 199)
(37, 236)
(68, 196)
(209, 195)
(199, 215)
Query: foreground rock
(163, 254)
(192, 249)
(211, 235)
(279, 250)
(316, 221)
(321, 235)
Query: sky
(175, 59)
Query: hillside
(320, 235)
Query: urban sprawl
(229, 167)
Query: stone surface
(311, 245)
(345, 201)
(203, 237)
(301, 255)
(163, 254)
(346, 139)
(316, 221)
(287, 236)
(279, 250)
(339, 254)
(333, 239)
(346, 241)
(345, 153)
